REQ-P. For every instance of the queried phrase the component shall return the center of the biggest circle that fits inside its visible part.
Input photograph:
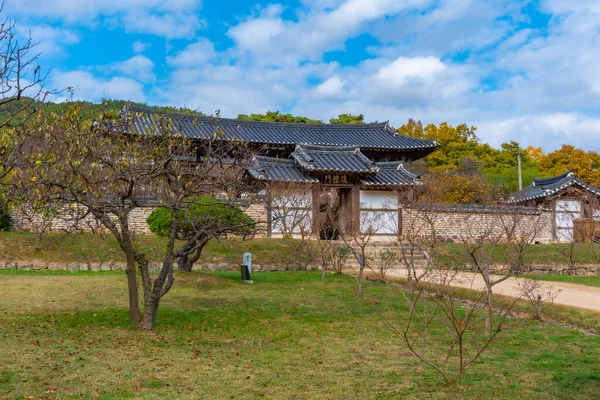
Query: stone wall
(65, 219)
(154, 266)
(456, 224)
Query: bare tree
(443, 329)
(482, 235)
(417, 237)
(520, 226)
(339, 257)
(371, 222)
(381, 261)
(291, 215)
(537, 294)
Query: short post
(247, 268)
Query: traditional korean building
(570, 200)
(316, 173)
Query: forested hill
(470, 169)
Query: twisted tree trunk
(189, 256)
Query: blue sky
(518, 70)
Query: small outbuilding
(572, 202)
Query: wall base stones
(40, 265)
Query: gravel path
(581, 296)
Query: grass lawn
(100, 248)
(88, 247)
(540, 254)
(289, 335)
(579, 280)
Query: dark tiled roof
(278, 170)
(146, 121)
(333, 159)
(271, 169)
(545, 187)
(391, 174)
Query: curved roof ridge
(273, 160)
(320, 147)
(541, 182)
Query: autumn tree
(584, 164)
(458, 188)
(456, 143)
(106, 170)
(22, 90)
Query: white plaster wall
(291, 212)
(380, 222)
(378, 199)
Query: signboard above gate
(336, 180)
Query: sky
(516, 69)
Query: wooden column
(399, 207)
(355, 207)
(316, 208)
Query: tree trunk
(134, 302)
(150, 311)
(154, 291)
(360, 271)
(132, 288)
(186, 261)
(411, 286)
(488, 317)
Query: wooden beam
(399, 207)
(269, 213)
(355, 208)
(316, 209)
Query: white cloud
(139, 67)
(170, 19)
(272, 40)
(404, 70)
(140, 47)
(548, 131)
(195, 54)
(332, 88)
(170, 26)
(50, 40)
(86, 86)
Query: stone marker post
(247, 268)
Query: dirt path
(581, 296)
